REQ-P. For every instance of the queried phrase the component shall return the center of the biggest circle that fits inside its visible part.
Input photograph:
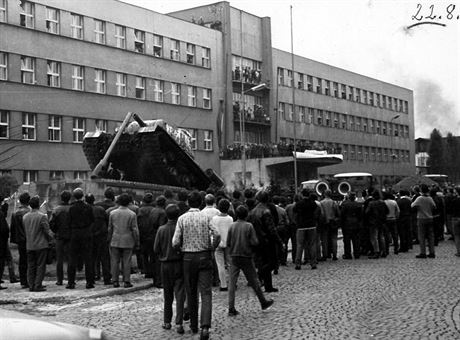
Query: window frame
(158, 90)
(3, 11)
(28, 13)
(157, 46)
(120, 36)
(193, 139)
(139, 41)
(54, 130)
(191, 96)
(25, 71)
(175, 49)
(5, 124)
(78, 130)
(175, 93)
(206, 57)
(78, 77)
(207, 98)
(29, 176)
(121, 85)
(102, 125)
(140, 86)
(100, 78)
(27, 127)
(76, 28)
(3, 66)
(53, 74)
(52, 23)
(190, 51)
(77, 175)
(99, 32)
(207, 140)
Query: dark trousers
(148, 257)
(101, 257)
(198, 277)
(404, 232)
(123, 255)
(322, 241)
(425, 231)
(62, 252)
(332, 236)
(351, 237)
(80, 248)
(306, 238)
(22, 263)
(391, 234)
(173, 286)
(246, 264)
(376, 234)
(283, 232)
(36, 267)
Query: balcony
(248, 76)
(252, 115)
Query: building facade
(66, 68)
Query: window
(175, 93)
(351, 122)
(206, 98)
(309, 83)
(190, 54)
(26, 17)
(28, 70)
(78, 78)
(350, 92)
(157, 46)
(54, 128)
(192, 138)
(29, 176)
(300, 82)
(80, 175)
(4, 123)
(343, 90)
(99, 31)
(365, 97)
(364, 124)
(377, 100)
(319, 85)
(358, 95)
(205, 57)
(336, 120)
(54, 73)
(139, 38)
(327, 87)
(302, 114)
(289, 79)
(99, 80)
(3, 11)
(207, 140)
(158, 87)
(78, 129)
(52, 20)
(56, 174)
(358, 123)
(191, 96)
(343, 123)
(310, 115)
(319, 117)
(76, 26)
(336, 89)
(121, 84)
(291, 112)
(101, 125)
(384, 101)
(28, 126)
(140, 88)
(328, 118)
(175, 46)
(371, 98)
(120, 36)
(405, 106)
(280, 76)
(281, 112)
(3, 66)
(377, 127)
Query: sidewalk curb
(68, 299)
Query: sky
(371, 38)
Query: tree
(436, 160)
(8, 185)
(452, 161)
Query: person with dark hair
(404, 221)
(109, 199)
(123, 235)
(169, 196)
(241, 240)
(182, 201)
(38, 237)
(100, 249)
(18, 236)
(264, 224)
(351, 214)
(376, 213)
(328, 228)
(221, 222)
(81, 219)
(425, 207)
(236, 201)
(292, 216)
(193, 235)
(391, 229)
(146, 234)
(308, 213)
(60, 226)
(171, 269)
(249, 199)
(157, 218)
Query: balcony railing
(248, 75)
(254, 114)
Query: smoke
(433, 110)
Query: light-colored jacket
(37, 230)
(123, 230)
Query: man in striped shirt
(193, 235)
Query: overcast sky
(370, 37)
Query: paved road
(399, 297)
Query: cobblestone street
(399, 297)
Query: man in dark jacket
(404, 221)
(100, 246)
(264, 225)
(171, 269)
(81, 238)
(158, 218)
(109, 199)
(308, 213)
(351, 218)
(146, 234)
(60, 226)
(4, 234)
(376, 213)
(18, 236)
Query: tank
(148, 151)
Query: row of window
(52, 21)
(334, 89)
(30, 122)
(54, 73)
(309, 115)
(355, 152)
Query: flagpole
(293, 106)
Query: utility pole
(294, 119)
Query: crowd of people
(198, 240)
